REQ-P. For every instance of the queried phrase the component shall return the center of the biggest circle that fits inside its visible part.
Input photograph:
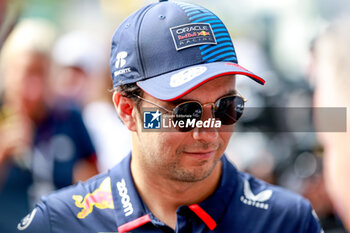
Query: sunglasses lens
(229, 109)
(186, 112)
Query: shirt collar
(128, 204)
(131, 211)
(216, 204)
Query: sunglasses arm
(150, 102)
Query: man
(42, 147)
(176, 58)
(330, 73)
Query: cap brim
(173, 85)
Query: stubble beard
(174, 171)
(177, 173)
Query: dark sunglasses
(227, 109)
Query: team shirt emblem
(100, 198)
(125, 198)
(256, 200)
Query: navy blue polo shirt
(110, 202)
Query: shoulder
(256, 193)
(286, 211)
(72, 197)
(259, 191)
(72, 209)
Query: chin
(195, 174)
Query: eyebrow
(181, 100)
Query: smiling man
(177, 59)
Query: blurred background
(272, 38)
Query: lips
(200, 154)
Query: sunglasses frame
(212, 104)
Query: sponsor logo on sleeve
(26, 221)
(101, 198)
(257, 200)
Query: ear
(126, 109)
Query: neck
(164, 196)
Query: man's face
(185, 156)
(26, 79)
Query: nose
(206, 134)
(206, 114)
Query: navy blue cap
(170, 48)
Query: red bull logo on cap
(192, 34)
(203, 33)
(100, 198)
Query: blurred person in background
(42, 147)
(314, 189)
(330, 72)
(82, 78)
(79, 56)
